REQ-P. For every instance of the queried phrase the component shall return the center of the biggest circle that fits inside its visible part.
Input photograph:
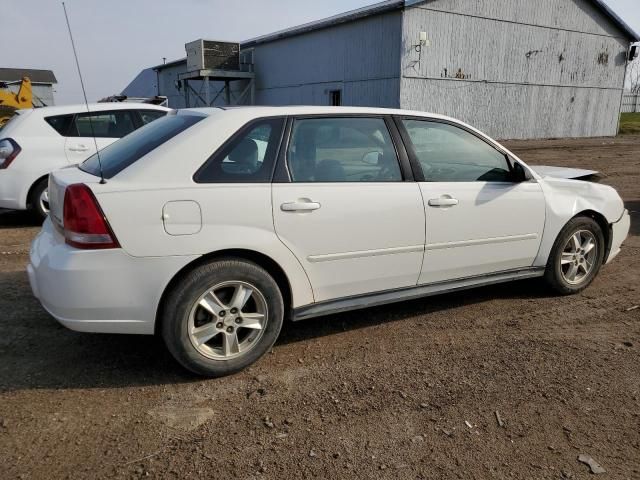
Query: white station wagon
(210, 227)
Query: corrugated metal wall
(551, 68)
(361, 58)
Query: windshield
(128, 150)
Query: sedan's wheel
(223, 316)
(228, 320)
(576, 256)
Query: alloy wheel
(579, 257)
(228, 320)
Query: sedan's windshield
(128, 150)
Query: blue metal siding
(304, 68)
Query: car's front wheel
(576, 257)
(222, 317)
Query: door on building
(345, 210)
(478, 219)
(335, 98)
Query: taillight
(9, 150)
(85, 226)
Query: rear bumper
(102, 291)
(620, 231)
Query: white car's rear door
(479, 221)
(344, 210)
(106, 126)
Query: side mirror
(372, 158)
(519, 173)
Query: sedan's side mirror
(519, 173)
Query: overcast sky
(116, 39)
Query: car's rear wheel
(39, 199)
(222, 317)
(576, 257)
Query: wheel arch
(32, 188)
(269, 264)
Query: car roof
(264, 111)
(96, 107)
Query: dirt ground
(404, 391)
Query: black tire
(34, 199)
(554, 275)
(181, 300)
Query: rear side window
(148, 116)
(115, 124)
(125, 152)
(247, 158)
(60, 123)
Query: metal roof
(36, 76)
(615, 18)
(349, 16)
(390, 5)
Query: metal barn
(513, 68)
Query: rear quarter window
(128, 150)
(60, 123)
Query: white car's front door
(479, 220)
(353, 223)
(107, 127)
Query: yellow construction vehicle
(11, 101)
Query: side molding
(411, 293)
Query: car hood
(562, 172)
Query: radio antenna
(84, 92)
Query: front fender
(566, 199)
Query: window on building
(342, 150)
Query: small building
(513, 68)
(42, 82)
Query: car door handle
(302, 205)
(79, 148)
(445, 201)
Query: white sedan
(38, 141)
(210, 227)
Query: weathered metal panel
(347, 55)
(576, 15)
(513, 80)
(490, 50)
(515, 112)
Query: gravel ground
(402, 391)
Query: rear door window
(125, 152)
(342, 150)
(116, 124)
